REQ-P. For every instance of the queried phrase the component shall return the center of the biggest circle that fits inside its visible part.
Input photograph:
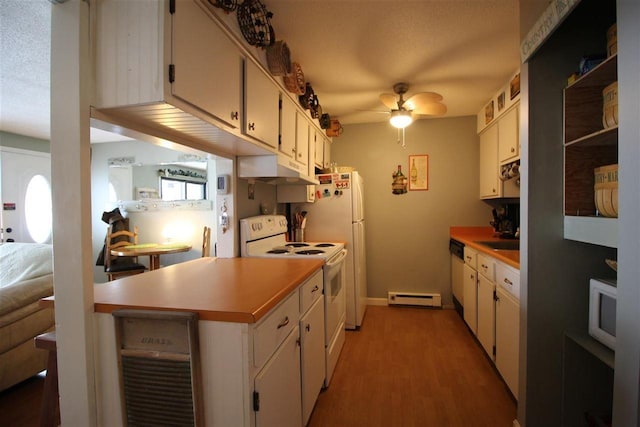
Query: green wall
(24, 142)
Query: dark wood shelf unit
(588, 144)
(583, 100)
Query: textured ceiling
(351, 51)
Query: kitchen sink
(510, 245)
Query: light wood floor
(413, 367)
(404, 367)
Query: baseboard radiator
(410, 298)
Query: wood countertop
(471, 235)
(238, 290)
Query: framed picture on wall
(488, 112)
(419, 172)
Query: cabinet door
(508, 137)
(327, 153)
(288, 114)
(277, 387)
(302, 141)
(486, 314)
(312, 357)
(489, 182)
(319, 150)
(508, 338)
(262, 99)
(208, 67)
(470, 297)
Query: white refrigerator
(338, 215)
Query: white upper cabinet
(294, 133)
(172, 71)
(302, 140)
(326, 162)
(207, 66)
(288, 133)
(262, 98)
(318, 143)
(508, 138)
(489, 182)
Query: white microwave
(602, 311)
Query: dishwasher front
(456, 249)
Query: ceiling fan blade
(420, 99)
(390, 100)
(433, 109)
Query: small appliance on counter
(506, 221)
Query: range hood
(274, 169)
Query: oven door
(334, 298)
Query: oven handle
(337, 259)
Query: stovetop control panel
(256, 227)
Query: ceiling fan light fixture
(400, 119)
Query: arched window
(38, 209)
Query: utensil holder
(298, 235)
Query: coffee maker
(506, 221)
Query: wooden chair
(49, 408)
(206, 242)
(116, 266)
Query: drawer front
(487, 267)
(470, 257)
(508, 278)
(274, 328)
(310, 291)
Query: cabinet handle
(485, 266)
(513, 150)
(315, 288)
(252, 126)
(308, 327)
(234, 115)
(508, 282)
(284, 323)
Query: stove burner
(310, 252)
(296, 245)
(278, 251)
(325, 245)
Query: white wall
(408, 235)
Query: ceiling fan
(403, 112)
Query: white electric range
(265, 236)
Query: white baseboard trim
(384, 302)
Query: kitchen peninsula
(249, 336)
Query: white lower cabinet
(508, 338)
(277, 400)
(497, 314)
(312, 357)
(470, 297)
(486, 314)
